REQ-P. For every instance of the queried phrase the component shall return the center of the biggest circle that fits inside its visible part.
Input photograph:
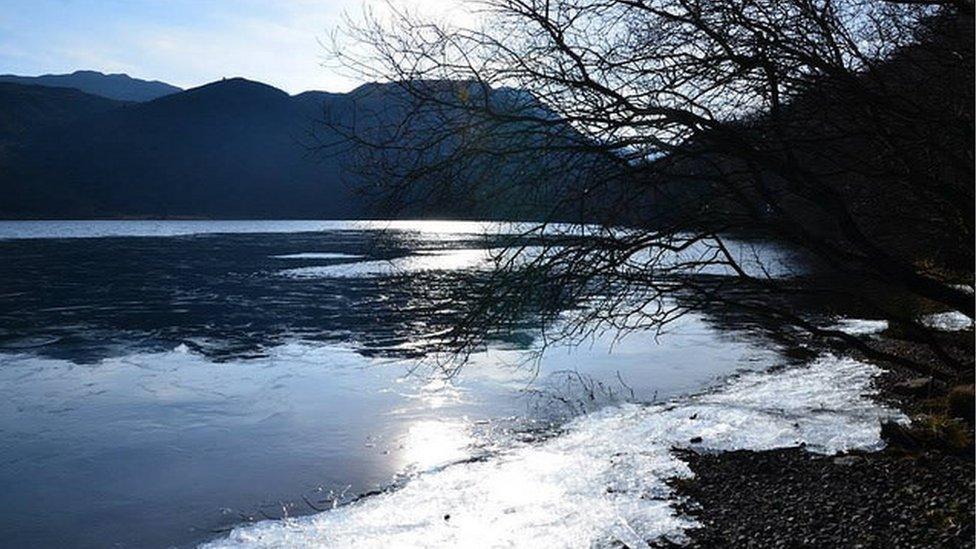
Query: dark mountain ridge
(230, 149)
(25, 107)
(120, 87)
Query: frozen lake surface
(162, 383)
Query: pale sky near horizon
(186, 43)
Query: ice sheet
(601, 481)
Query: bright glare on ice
(602, 480)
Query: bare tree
(653, 130)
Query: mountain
(234, 148)
(25, 108)
(451, 148)
(120, 87)
(241, 149)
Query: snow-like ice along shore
(603, 479)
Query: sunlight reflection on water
(431, 443)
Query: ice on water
(439, 260)
(951, 321)
(318, 255)
(601, 481)
(860, 326)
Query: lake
(162, 382)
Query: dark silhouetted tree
(655, 130)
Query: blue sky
(184, 42)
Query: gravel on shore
(914, 495)
(792, 498)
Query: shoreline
(916, 492)
(722, 496)
(589, 493)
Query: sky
(186, 43)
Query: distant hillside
(120, 87)
(449, 148)
(234, 149)
(27, 108)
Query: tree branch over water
(657, 129)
